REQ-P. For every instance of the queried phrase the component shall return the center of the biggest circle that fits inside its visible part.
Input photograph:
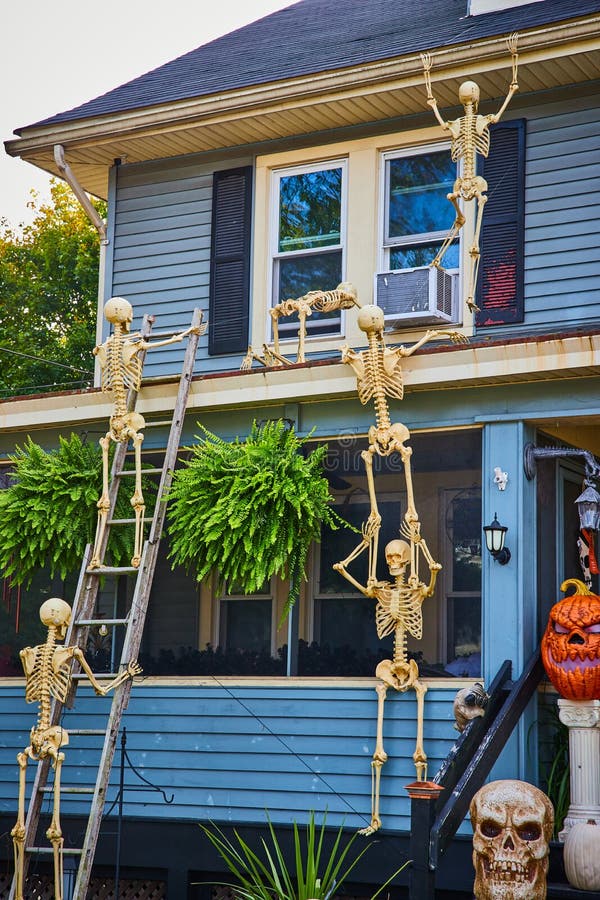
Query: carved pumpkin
(571, 647)
(582, 856)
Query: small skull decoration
(512, 825)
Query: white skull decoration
(512, 824)
(397, 556)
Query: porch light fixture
(588, 506)
(494, 541)
(588, 503)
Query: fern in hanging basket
(49, 513)
(249, 509)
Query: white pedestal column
(582, 718)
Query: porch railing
(435, 821)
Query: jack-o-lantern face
(571, 647)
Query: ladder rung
(73, 851)
(146, 519)
(144, 472)
(100, 676)
(168, 333)
(91, 622)
(48, 789)
(159, 423)
(86, 731)
(111, 570)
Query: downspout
(100, 225)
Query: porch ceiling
(550, 58)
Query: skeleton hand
(456, 337)
(426, 60)
(371, 526)
(134, 668)
(511, 43)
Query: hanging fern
(49, 514)
(249, 509)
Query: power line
(49, 362)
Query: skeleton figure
(512, 824)
(398, 612)
(469, 136)
(343, 297)
(47, 670)
(379, 376)
(121, 361)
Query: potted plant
(249, 509)
(48, 513)
(315, 874)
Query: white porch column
(582, 718)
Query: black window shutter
(500, 284)
(228, 309)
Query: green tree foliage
(49, 513)
(249, 509)
(48, 296)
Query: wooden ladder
(83, 619)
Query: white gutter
(100, 226)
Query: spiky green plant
(49, 514)
(249, 509)
(315, 874)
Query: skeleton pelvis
(42, 740)
(125, 426)
(471, 187)
(388, 440)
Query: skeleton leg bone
(458, 224)
(379, 758)
(475, 254)
(103, 504)
(137, 500)
(18, 832)
(373, 524)
(54, 833)
(419, 756)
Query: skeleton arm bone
(514, 86)
(174, 339)
(455, 336)
(431, 101)
(101, 690)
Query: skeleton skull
(468, 92)
(512, 824)
(397, 556)
(370, 318)
(56, 612)
(118, 309)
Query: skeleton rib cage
(83, 617)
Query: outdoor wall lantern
(494, 541)
(588, 503)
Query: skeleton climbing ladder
(82, 620)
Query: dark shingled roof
(318, 35)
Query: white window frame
(338, 323)
(386, 244)
(219, 622)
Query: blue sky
(58, 55)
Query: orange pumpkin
(571, 647)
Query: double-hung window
(417, 217)
(417, 213)
(308, 239)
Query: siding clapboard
(228, 753)
(161, 253)
(562, 238)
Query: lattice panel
(41, 887)
(139, 889)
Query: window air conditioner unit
(422, 296)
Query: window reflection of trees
(310, 210)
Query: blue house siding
(563, 209)
(160, 258)
(228, 752)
